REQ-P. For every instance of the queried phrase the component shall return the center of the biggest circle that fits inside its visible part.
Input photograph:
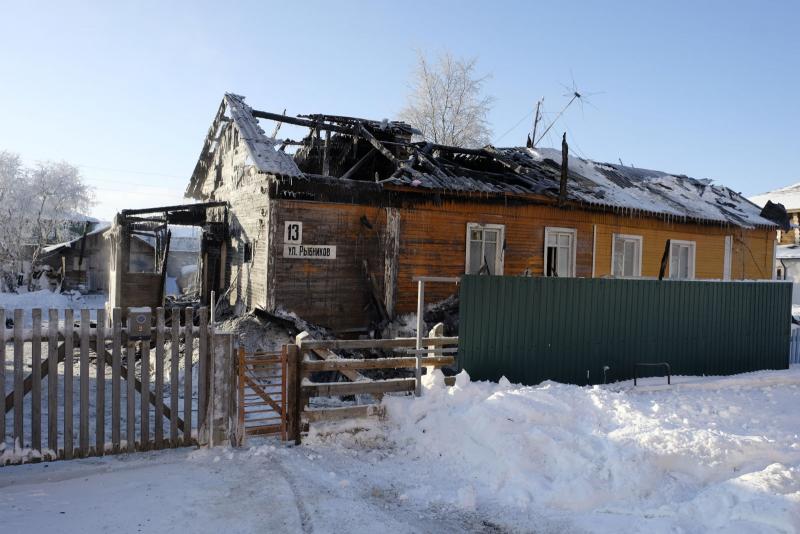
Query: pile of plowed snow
(714, 454)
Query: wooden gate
(262, 393)
(81, 386)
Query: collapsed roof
(383, 152)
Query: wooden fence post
(293, 407)
(69, 320)
(83, 416)
(100, 389)
(36, 386)
(130, 379)
(3, 373)
(19, 377)
(188, 354)
(221, 397)
(116, 362)
(52, 380)
(240, 370)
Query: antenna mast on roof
(575, 95)
(536, 118)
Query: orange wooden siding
(433, 242)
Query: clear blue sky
(707, 89)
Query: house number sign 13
(293, 232)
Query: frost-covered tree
(447, 102)
(38, 206)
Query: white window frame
(574, 246)
(692, 257)
(727, 259)
(501, 245)
(637, 265)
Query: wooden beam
(336, 389)
(377, 144)
(350, 374)
(334, 344)
(326, 161)
(360, 163)
(345, 412)
(403, 362)
(297, 121)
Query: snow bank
(701, 458)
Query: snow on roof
(512, 170)
(101, 228)
(784, 252)
(789, 196)
(656, 192)
(261, 148)
(66, 244)
(604, 184)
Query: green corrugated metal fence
(570, 329)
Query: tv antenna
(574, 95)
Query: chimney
(562, 192)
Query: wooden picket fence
(40, 392)
(307, 356)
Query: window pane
(474, 257)
(563, 240)
(684, 268)
(673, 261)
(629, 255)
(551, 261)
(552, 239)
(562, 262)
(490, 236)
(476, 235)
(490, 256)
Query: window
(726, 260)
(681, 260)
(247, 252)
(559, 252)
(626, 256)
(485, 244)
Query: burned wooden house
(134, 285)
(334, 226)
(81, 264)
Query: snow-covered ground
(705, 455)
(46, 299)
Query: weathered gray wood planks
(100, 400)
(103, 346)
(52, 380)
(69, 320)
(36, 387)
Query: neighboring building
(789, 198)
(82, 264)
(788, 268)
(337, 231)
(182, 258)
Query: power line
(128, 171)
(528, 114)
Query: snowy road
(268, 489)
(706, 455)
